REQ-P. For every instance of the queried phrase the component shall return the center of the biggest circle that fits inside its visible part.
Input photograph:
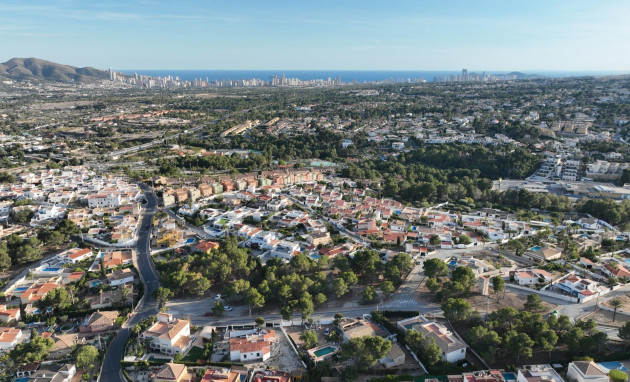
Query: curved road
(111, 370)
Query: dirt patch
(509, 299)
(606, 318)
(625, 301)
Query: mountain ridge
(35, 69)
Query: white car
(217, 297)
(227, 308)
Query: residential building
(546, 253)
(586, 371)
(120, 277)
(532, 276)
(75, 255)
(220, 375)
(169, 335)
(395, 357)
(253, 346)
(99, 322)
(9, 314)
(285, 250)
(206, 246)
(538, 373)
(37, 291)
(48, 372)
(173, 372)
(9, 337)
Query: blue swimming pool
(25, 379)
(509, 376)
(189, 241)
(535, 248)
(51, 269)
(613, 365)
(20, 289)
(452, 263)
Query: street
(111, 370)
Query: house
(169, 335)
(111, 200)
(255, 346)
(395, 357)
(538, 373)
(358, 329)
(9, 314)
(111, 298)
(220, 375)
(453, 350)
(48, 372)
(64, 344)
(120, 277)
(318, 238)
(206, 246)
(285, 250)
(75, 255)
(9, 337)
(169, 237)
(589, 223)
(615, 269)
(532, 276)
(586, 371)
(173, 372)
(545, 253)
(116, 258)
(37, 291)
(99, 322)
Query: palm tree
(616, 304)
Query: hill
(34, 69)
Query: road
(111, 370)
(159, 141)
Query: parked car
(217, 297)
(227, 308)
(208, 314)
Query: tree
(456, 309)
(218, 308)
(615, 303)
(519, 344)
(254, 299)
(306, 306)
(86, 356)
(300, 262)
(498, 284)
(463, 239)
(487, 341)
(369, 295)
(433, 284)
(340, 287)
(319, 298)
(533, 303)
(435, 268)
(350, 278)
(465, 276)
(435, 240)
(431, 352)
(162, 295)
(56, 298)
(309, 339)
(617, 376)
(365, 351)
(387, 287)
(260, 322)
(5, 258)
(624, 332)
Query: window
(463, 350)
(257, 354)
(244, 355)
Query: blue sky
(339, 34)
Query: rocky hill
(34, 69)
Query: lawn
(194, 354)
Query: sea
(346, 75)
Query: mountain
(34, 69)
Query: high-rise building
(464, 74)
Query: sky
(562, 35)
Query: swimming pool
(613, 365)
(315, 256)
(189, 241)
(324, 351)
(535, 248)
(51, 269)
(21, 379)
(20, 289)
(509, 376)
(452, 263)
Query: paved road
(111, 370)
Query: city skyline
(536, 36)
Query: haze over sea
(346, 75)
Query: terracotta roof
(172, 371)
